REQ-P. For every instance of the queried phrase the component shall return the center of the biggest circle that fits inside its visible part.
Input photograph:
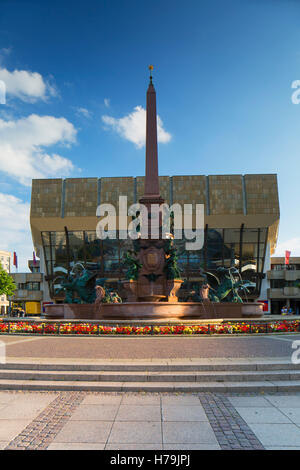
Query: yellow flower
(187, 331)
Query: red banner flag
(287, 257)
(15, 259)
(34, 259)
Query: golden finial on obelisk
(150, 68)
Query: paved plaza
(89, 420)
(147, 347)
(133, 421)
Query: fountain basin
(155, 311)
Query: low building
(29, 293)
(241, 223)
(284, 281)
(5, 260)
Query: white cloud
(4, 52)
(27, 86)
(107, 102)
(84, 112)
(21, 147)
(292, 245)
(133, 127)
(15, 234)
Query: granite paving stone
(139, 413)
(76, 446)
(84, 431)
(183, 413)
(283, 434)
(249, 401)
(191, 447)
(102, 399)
(135, 432)
(180, 400)
(20, 409)
(10, 428)
(188, 432)
(141, 399)
(292, 413)
(7, 397)
(266, 415)
(284, 401)
(282, 448)
(119, 446)
(95, 413)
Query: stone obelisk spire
(151, 190)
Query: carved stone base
(149, 291)
(144, 290)
(131, 289)
(156, 311)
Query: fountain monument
(152, 278)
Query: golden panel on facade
(262, 194)
(225, 194)
(189, 189)
(112, 188)
(46, 198)
(80, 198)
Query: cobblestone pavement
(159, 421)
(231, 431)
(43, 429)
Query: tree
(7, 285)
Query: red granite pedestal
(155, 311)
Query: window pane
(180, 246)
(125, 245)
(93, 250)
(251, 235)
(45, 238)
(112, 266)
(58, 238)
(111, 249)
(231, 235)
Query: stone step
(150, 376)
(259, 386)
(162, 366)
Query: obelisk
(152, 284)
(151, 189)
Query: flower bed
(229, 328)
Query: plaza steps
(150, 377)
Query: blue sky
(76, 75)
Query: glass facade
(242, 248)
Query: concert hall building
(241, 221)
